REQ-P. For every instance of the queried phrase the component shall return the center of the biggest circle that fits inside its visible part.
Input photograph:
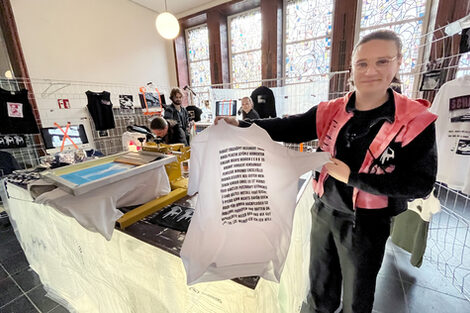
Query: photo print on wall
(126, 104)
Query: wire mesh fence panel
(448, 244)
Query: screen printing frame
(54, 175)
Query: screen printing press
(138, 269)
(81, 178)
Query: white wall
(93, 40)
(103, 41)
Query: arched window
(245, 47)
(307, 44)
(197, 41)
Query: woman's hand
(228, 119)
(338, 169)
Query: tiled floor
(400, 286)
(21, 290)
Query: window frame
(229, 44)
(186, 37)
(285, 43)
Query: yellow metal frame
(150, 207)
(178, 184)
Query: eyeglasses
(380, 64)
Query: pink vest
(411, 118)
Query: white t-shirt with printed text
(247, 186)
(452, 105)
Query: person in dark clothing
(8, 163)
(168, 130)
(264, 102)
(247, 111)
(176, 112)
(383, 153)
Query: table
(139, 269)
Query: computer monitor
(226, 108)
(53, 136)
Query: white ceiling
(180, 8)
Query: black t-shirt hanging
(101, 109)
(16, 114)
(194, 113)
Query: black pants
(347, 254)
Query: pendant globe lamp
(167, 25)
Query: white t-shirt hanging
(247, 187)
(452, 105)
(425, 208)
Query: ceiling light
(167, 25)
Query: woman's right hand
(228, 119)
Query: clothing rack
(45, 94)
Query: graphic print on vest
(459, 109)
(386, 162)
(243, 185)
(387, 155)
(15, 109)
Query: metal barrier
(448, 245)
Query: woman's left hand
(338, 169)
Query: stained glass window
(308, 19)
(245, 46)
(308, 58)
(308, 38)
(378, 12)
(246, 66)
(405, 17)
(200, 73)
(197, 40)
